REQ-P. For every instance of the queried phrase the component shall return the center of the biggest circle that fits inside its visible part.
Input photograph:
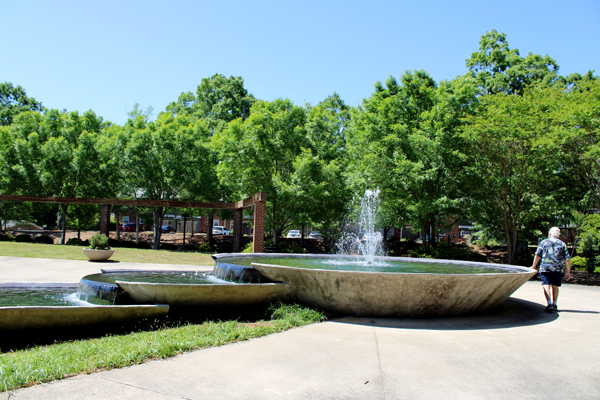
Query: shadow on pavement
(512, 313)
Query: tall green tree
(58, 154)
(218, 99)
(404, 140)
(14, 100)
(167, 159)
(499, 69)
(258, 154)
(516, 170)
(575, 118)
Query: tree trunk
(209, 234)
(117, 225)
(302, 236)
(63, 218)
(157, 226)
(137, 228)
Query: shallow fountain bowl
(36, 309)
(394, 294)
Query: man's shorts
(551, 278)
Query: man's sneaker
(555, 307)
(549, 308)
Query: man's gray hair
(554, 232)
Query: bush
(228, 248)
(7, 238)
(168, 246)
(23, 239)
(143, 245)
(248, 248)
(99, 241)
(188, 247)
(289, 247)
(205, 248)
(75, 242)
(44, 239)
(578, 263)
(447, 253)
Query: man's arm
(536, 260)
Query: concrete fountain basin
(395, 294)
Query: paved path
(514, 352)
(19, 269)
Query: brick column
(237, 230)
(258, 245)
(104, 218)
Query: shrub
(248, 248)
(188, 247)
(447, 253)
(7, 238)
(205, 248)
(578, 263)
(44, 239)
(290, 247)
(23, 238)
(143, 245)
(228, 248)
(99, 241)
(168, 246)
(74, 242)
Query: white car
(315, 235)
(294, 233)
(221, 230)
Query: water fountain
(36, 306)
(359, 282)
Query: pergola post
(105, 219)
(237, 230)
(260, 208)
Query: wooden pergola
(258, 201)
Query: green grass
(63, 252)
(27, 360)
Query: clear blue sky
(108, 55)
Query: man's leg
(554, 294)
(548, 292)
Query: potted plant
(99, 249)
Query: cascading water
(360, 236)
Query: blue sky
(108, 55)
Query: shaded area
(512, 313)
(177, 316)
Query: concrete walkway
(515, 351)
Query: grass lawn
(29, 358)
(63, 252)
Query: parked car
(315, 235)
(294, 233)
(128, 227)
(221, 230)
(167, 229)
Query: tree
(575, 118)
(499, 69)
(404, 141)
(14, 100)
(516, 172)
(58, 154)
(218, 100)
(258, 154)
(166, 160)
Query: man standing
(553, 253)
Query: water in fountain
(360, 236)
